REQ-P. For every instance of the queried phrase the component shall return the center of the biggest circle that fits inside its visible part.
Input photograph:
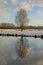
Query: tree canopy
(21, 18)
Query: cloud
(25, 5)
(40, 3)
(14, 1)
(37, 3)
(3, 3)
(40, 13)
(3, 6)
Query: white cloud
(5, 4)
(25, 6)
(30, 4)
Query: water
(27, 32)
(9, 56)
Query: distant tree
(21, 18)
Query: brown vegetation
(11, 26)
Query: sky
(34, 9)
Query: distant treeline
(6, 26)
(12, 26)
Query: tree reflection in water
(22, 47)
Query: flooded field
(28, 32)
(9, 48)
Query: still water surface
(8, 53)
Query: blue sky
(34, 9)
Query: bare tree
(21, 18)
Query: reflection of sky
(34, 8)
(7, 48)
(9, 43)
(36, 44)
